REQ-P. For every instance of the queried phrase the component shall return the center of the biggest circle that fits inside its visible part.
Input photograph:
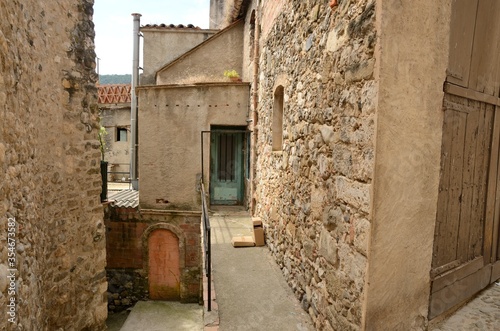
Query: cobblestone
(480, 314)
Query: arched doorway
(164, 270)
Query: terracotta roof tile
(117, 93)
(170, 26)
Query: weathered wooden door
(466, 249)
(226, 167)
(164, 269)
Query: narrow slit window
(277, 127)
(121, 134)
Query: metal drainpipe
(255, 105)
(133, 103)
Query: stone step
(163, 315)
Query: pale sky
(114, 25)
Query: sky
(114, 25)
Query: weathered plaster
(117, 153)
(411, 64)
(207, 61)
(163, 45)
(171, 119)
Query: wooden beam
(471, 94)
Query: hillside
(115, 79)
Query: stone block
(328, 247)
(327, 134)
(362, 235)
(335, 41)
(354, 193)
(361, 71)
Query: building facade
(374, 152)
(114, 108)
(378, 215)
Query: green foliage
(102, 140)
(231, 74)
(115, 79)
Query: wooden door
(466, 249)
(468, 187)
(164, 269)
(226, 167)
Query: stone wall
(49, 168)
(127, 235)
(314, 194)
(125, 288)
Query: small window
(278, 119)
(121, 134)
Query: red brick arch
(164, 260)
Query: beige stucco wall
(411, 67)
(207, 62)
(163, 44)
(217, 13)
(171, 119)
(117, 153)
(224, 12)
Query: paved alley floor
(480, 314)
(164, 316)
(251, 291)
(115, 321)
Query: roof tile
(171, 26)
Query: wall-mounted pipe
(255, 117)
(133, 103)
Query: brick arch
(166, 285)
(164, 273)
(172, 228)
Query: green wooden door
(226, 168)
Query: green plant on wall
(231, 74)
(102, 141)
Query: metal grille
(227, 143)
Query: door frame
(206, 148)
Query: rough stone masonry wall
(49, 168)
(314, 196)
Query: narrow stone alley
(251, 291)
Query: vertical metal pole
(133, 103)
(202, 167)
(209, 265)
